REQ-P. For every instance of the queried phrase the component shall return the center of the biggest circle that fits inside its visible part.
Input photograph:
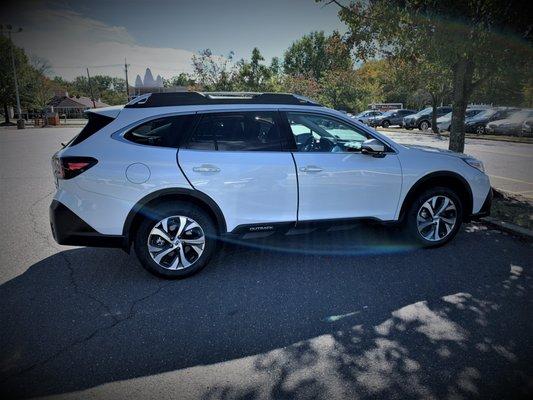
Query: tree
(183, 79)
(7, 83)
(472, 39)
(252, 76)
(213, 72)
(314, 54)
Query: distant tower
(159, 81)
(138, 82)
(149, 78)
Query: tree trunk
(434, 104)
(462, 88)
(6, 114)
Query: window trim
(202, 114)
(388, 148)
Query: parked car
(444, 123)
(171, 173)
(392, 117)
(365, 116)
(477, 123)
(422, 119)
(512, 125)
(527, 127)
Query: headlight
(475, 163)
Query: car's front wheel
(175, 240)
(435, 217)
(480, 130)
(385, 124)
(424, 126)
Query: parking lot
(354, 313)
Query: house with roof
(73, 106)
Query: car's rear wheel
(480, 130)
(175, 240)
(385, 124)
(435, 217)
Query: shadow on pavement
(331, 314)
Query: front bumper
(69, 229)
(485, 208)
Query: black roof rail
(207, 98)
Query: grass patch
(512, 208)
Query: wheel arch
(200, 199)
(449, 179)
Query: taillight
(69, 167)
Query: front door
(335, 179)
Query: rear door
(239, 160)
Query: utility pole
(20, 120)
(90, 87)
(127, 84)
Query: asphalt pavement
(354, 313)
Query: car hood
(504, 122)
(429, 149)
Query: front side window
(164, 132)
(313, 132)
(243, 131)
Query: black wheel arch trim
(191, 193)
(467, 208)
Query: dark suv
(392, 117)
(422, 119)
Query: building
(72, 106)
(151, 85)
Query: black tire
(424, 126)
(411, 217)
(385, 124)
(162, 211)
(480, 130)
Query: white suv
(173, 172)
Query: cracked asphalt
(353, 313)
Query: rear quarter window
(162, 132)
(95, 123)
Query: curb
(508, 227)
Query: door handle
(311, 168)
(206, 168)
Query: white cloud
(71, 42)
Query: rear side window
(95, 123)
(245, 131)
(163, 132)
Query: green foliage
(314, 54)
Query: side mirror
(373, 147)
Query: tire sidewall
(155, 214)
(411, 217)
(385, 124)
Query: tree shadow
(330, 314)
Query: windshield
(521, 115)
(486, 114)
(425, 111)
(388, 113)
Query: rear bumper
(69, 229)
(485, 208)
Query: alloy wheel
(480, 130)
(176, 242)
(436, 218)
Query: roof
(75, 102)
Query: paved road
(509, 165)
(347, 314)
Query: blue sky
(161, 34)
